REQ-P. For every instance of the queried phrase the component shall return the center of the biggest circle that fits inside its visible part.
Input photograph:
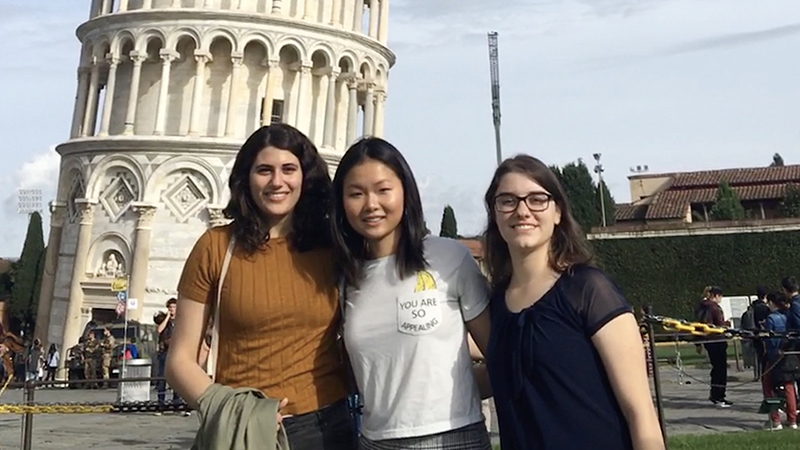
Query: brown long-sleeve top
(278, 319)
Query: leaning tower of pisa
(167, 91)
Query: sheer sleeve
(596, 299)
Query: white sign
(133, 303)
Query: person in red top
(712, 314)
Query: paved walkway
(686, 409)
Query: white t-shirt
(407, 343)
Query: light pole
(29, 201)
(598, 169)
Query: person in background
(717, 351)
(784, 367)
(790, 289)
(760, 311)
(34, 361)
(51, 362)
(107, 347)
(565, 356)
(91, 354)
(166, 325)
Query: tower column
(352, 110)
(133, 99)
(383, 25)
(300, 119)
(277, 7)
(72, 320)
(309, 10)
(230, 118)
(91, 101)
(374, 7)
(336, 13)
(108, 101)
(380, 106)
(141, 254)
(358, 15)
(58, 212)
(273, 66)
(330, 110)
(147, 4)
(123, 5)
(369, 110)
(202, 59)
(163, 94)
(80, 101)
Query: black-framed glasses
(535, 201)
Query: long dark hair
(310, 215)
(567, 246)
(350, 248)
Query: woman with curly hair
(278, 316)
(565, 356)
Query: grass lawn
(690, 357)
(759, 440)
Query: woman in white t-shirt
(409, 302)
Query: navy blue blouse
(550, 387)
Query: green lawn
(689, 356)
(759, 440)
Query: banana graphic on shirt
(425, 281)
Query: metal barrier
(28, 408)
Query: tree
(790, 205)
(727, 205)
(449, 228)
(581, 191)
(777, 160)
(608, 204)
(23, 302)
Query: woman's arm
(478, 340)
(479, 329)
(184, 373)
(620, 347)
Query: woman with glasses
(565, 356)
(409, 301)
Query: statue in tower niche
(110, 268)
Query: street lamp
(598, 169)
(29, 201)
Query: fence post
(656, 376)
(27, 419)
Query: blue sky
(673, 84)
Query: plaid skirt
(471, 437)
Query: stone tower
(167, 92)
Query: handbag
(213, 353)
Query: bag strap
(211, 365)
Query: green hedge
(670, 272)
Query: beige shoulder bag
(213, 353)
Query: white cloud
(39, 172)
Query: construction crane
(494, 67)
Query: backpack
(702, 313)
(748, 319)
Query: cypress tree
(449, 226)
(24, 294)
